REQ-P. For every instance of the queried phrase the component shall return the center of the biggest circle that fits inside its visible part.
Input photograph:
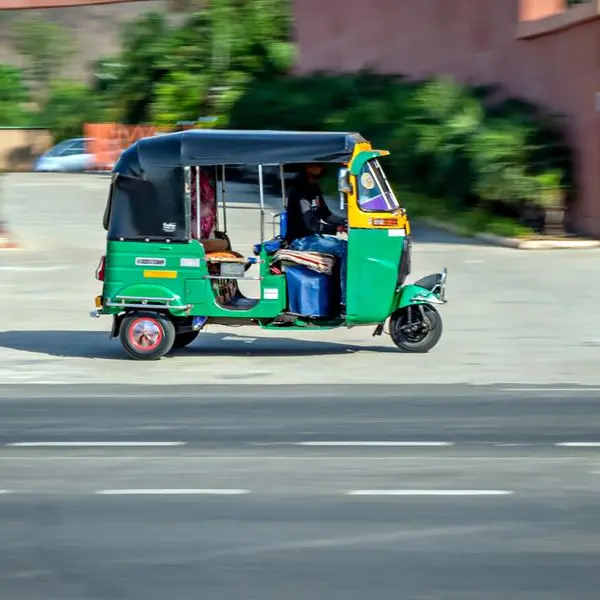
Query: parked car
(70, 156)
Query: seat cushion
(227, 256)
(320, 263)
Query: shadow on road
(227, 344)
(94, 344)
(71, 344)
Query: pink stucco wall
(476, 41)
(36, 4)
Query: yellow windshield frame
(358, 218)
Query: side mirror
(344, 185)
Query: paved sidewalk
(512, 317)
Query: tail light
(100, 269)
(384, 222)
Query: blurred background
(489, 125)
(311, 465)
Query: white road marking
(5, 492)
(596, 390)
(510, 444)
(429, 493)
(230, 338)
(579, 444)
(94, 444)
(173, 492)
(37, 269)
(61, 183)
(246, 458)
(373, 444)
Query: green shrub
(13, 97)
(498, 152)
(69, 106)
(447, 140)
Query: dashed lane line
(173, 492)
(429, 492)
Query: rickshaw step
(240, 303)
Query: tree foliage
(69, 106)
(45, 46)
(185, 71)
(231, 59)
(13, 96)
(447, 140)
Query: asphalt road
(299, 492)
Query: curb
(537, 244)
(516, 243)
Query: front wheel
(147, 336)
(416, 328)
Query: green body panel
(146, 290)
(124, 277)
(373, 260)
(372, 292)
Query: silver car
(70, 156)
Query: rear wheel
(185, 339)
(416, 329)
(147, 336)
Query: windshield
(77, 147)
(374, 191)
(59, 148)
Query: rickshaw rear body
(179, 273)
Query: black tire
(185, 339)
(416, 331)
(152, 345)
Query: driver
(311, 226)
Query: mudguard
(428, 290)
(147, 296)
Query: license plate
(233, 270)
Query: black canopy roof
(235, 147)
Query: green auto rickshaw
(164, 279)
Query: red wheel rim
(145, 334)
